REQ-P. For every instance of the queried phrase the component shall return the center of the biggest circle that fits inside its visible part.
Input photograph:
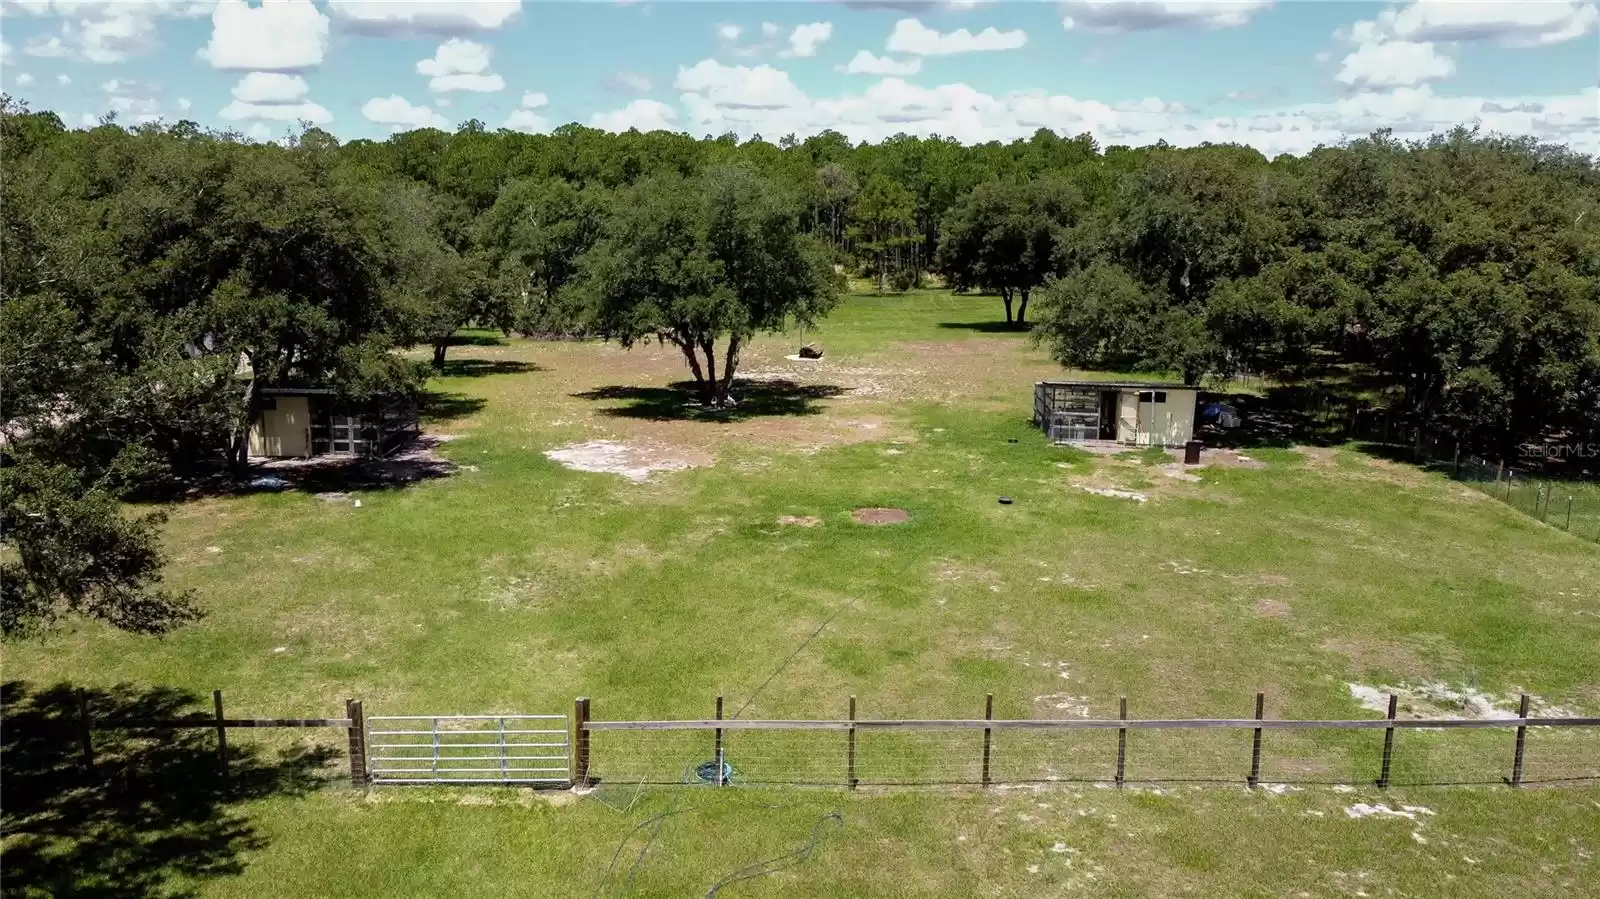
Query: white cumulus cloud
(277, 36)
(1525, 23)
(741, 87)
(272, 97)
(805, 39)
(645, 115)
(136, 101)
(434, 17)
(1394, 64)
(103, 31)
(48, 47)
(526, 116)
(398, 113)
(729, 32)
(63, 80)
(911, 36)
(277, 112)
(864, 63)
(893, 106)
(270, 87)
(23, 79)
(460, 65)
(1149, 15)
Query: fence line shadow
(152, 815)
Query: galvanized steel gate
(468, 749)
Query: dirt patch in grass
(880, 516)
(1178, 472)
(1221, 458)
(1380, 655)
(636, 462)
(801, 521)
(1272, 608)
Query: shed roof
(1123, 385)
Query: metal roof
(1122, 385)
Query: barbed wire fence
(1523, 750)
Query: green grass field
(517, 584)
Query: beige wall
(284, 431)
(1164, 424)
(1127, 416)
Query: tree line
(155, 278)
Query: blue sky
(1282, 76)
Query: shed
(300, 422)
(1134, 413)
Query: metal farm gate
(468, 749)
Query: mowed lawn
(516, 585)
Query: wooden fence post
(988, 735)
(1255, 744)
(1455, 464)
(850, 760)
(1522, 736)
(580, 740)
(222, 738)
(85, 733)
(721, 778)
(1388, 745)
(1569, 512)
(358, 742)
(1500, 473)
(1122, 741)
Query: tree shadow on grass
(1284, 416)
(988, 327)
(679, 402)
(477, 368)
(439, 406)
(150, 817)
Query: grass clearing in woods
(517, 584)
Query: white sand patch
(1116, 494)
(1074, 706)
(1371, 698)
(1409, 812)
(636, 463)
(1442, 700)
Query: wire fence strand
(927, 754)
